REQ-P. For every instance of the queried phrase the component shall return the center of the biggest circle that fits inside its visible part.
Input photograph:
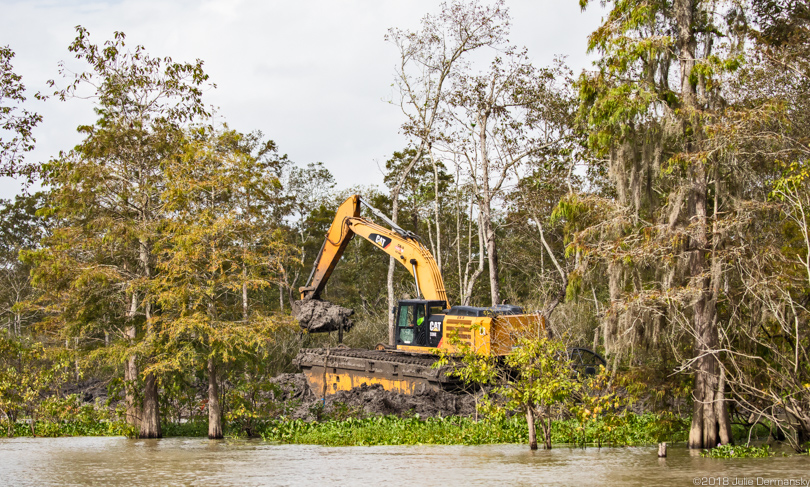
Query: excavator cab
(419, 322)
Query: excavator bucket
(316, 316)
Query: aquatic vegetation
(68, 416)
(391, 430)
(738, 451)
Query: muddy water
(193, 461)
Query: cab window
(420, 314)
(405, 316)
(406, 335)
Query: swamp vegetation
(653, 208)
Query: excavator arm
(402, 245)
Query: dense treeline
(653, 208)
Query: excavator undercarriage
(342, 369)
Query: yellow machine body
(424, 327)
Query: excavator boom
(402, 245)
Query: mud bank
(368, 401)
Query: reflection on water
(194, 461)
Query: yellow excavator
(422, 326)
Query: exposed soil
(301, 403)
(369, 401)
(318, 316)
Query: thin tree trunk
(392, 299)
(532, 428)
(563, 276)
(470, 280)
(214, 408)
(484, 194)
(436, 212)
(244, 293)
(492, 257)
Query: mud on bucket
(318, 316)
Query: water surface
(195, 461)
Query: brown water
(194, 461)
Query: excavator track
(329, 370)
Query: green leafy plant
(731, 451)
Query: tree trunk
(150, 414)
(532, 428)
(709, 407)
(485, 194)
(150, 420)
(214, 409)
(437, 214)
(392, 299)
(470, 280)
(547, 434)
(133, 414)
(492, 257)
(245, 293)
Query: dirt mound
(367, 401)
(318, 316)
(290, 387)
(375, 401)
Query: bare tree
(428, 60)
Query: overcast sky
(311, 75)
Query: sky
(315, 76)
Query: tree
(429, 59)
(766, 128)
(308, 189)
(657, 89)
(501, 119)
(536, 378)
(19, 125)
(95, 270)
(216, 248)
(20, 229)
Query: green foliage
(20, 230)
(732, 451)
(29, 374)
(622, 429)
(628, 430)
(248, 411)
(67, 416)
(16, 127)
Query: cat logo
(435, 326)
(380, 240)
